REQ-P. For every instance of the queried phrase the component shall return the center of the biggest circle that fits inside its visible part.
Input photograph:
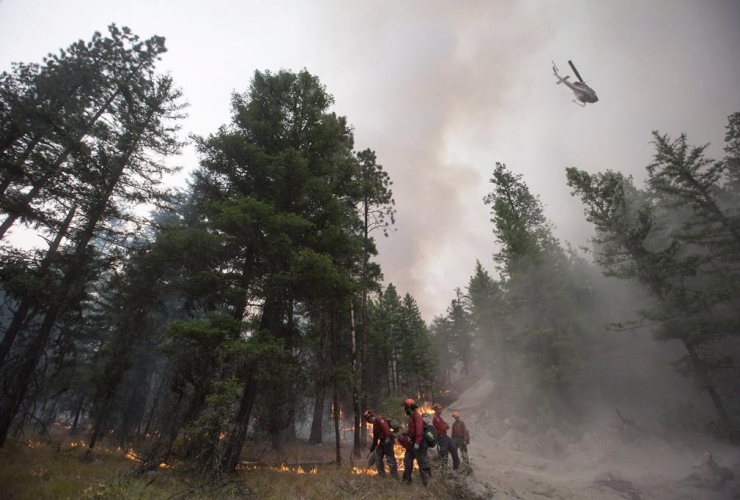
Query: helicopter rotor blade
(572, 66)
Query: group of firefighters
(413, 442)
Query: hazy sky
(441, 90)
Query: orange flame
(280, 468)
(426, 410)
(399, 451)
(364, 472)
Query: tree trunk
(245, 282)
(73, 430)
(145, 399)
(364, 379)
(237, 439)
(337, 438)
(14, 170)
(24, 308)
(357, 445)
(150, 419)
(335, 406)
(701, 372)
(317, 424)
(236, 443)
(389, 377)
(95, 434)
(51, 414)
(394, 377)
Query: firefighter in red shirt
(417, 449)
(382, 443)
(446, 445)
(460, 436)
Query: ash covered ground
(616, 459)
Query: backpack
(393, 425)
(430, 435)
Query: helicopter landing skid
(581, 104)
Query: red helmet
(368, 414)
(409, 402)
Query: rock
(555, 443)
(708, 474)
(480, 490)
(466, 487)
(616, 483)
(548, 492)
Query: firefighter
(460, 436)
(417, 447)
(383, 441)
(446, 445)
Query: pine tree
(117, 168)
(280, 184)
(677, 237)
(485, 303)
(377, 212)
(545, 298)
(56, 109)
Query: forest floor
(615, 461)
(57, 470)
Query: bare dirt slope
(608, 463)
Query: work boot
(425, 475)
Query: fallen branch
(629, 422)
(620, 486)
(287, 464)
(221, 486)
(46, 431)
(26, 444)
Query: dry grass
(51, 472)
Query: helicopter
(584, 93)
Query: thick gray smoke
(442, 90)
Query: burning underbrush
(36, 469)
(62, 466)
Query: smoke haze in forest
(443, 91)
(249, 314)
